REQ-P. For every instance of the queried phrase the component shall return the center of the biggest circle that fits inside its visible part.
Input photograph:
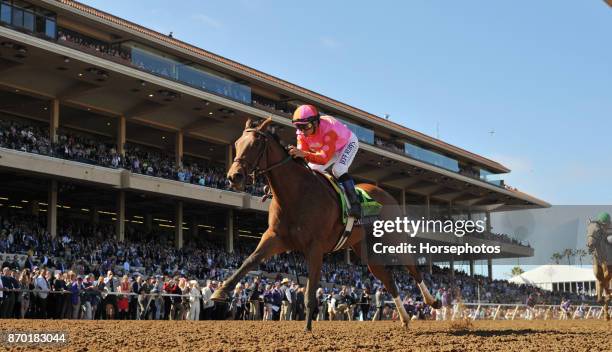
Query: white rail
(495, 311)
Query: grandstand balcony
(67, 66)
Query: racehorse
(304, 216)
(602, 264)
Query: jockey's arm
(323, 155)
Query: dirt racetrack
(190, 336)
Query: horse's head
(251, 148)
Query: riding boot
(349, 188)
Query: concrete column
(488, 215)
(54, 120)
(403, 196)
(34, 207)
(120, 217)
(121, 135)
(229, 157)
(52, 209)
(347, 256)
(178, 225)
(472, 267)
(148, 222)
(451, 264)
(193, 227)
(229, 237)
(430, 265)
(95, 216)
(178, 148)
(490, 268)
(428, 205)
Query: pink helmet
(305, 114)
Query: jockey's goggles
(304, 126)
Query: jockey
(604, 220)
(324, 141)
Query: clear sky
(537, 73)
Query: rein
(256, 171)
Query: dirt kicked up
(190, 336)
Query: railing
(495, 311)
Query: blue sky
(538, 73)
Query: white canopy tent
(565, 278)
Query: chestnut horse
(304, 216)
(602, 265)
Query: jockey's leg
(269, 245)
(349, 187)
(340, 171)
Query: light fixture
(80, 74)
(150, 95)
(210, 113)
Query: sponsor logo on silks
(347, 152)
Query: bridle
(255, 169)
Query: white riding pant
(342, 159)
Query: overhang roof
(240, 68)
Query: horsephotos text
(414, 227)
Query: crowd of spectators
(80, 147)
(85, 273)
(379, 142)
(91, 44)
(167, 70)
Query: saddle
(369, 207)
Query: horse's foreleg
(269, 245)
(598, 291)
(427, 297)
(315, 260)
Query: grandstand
(111, 123)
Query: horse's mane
(299, 161)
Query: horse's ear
(249, 124)
(264, 125)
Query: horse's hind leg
(268, 246)
(386, 277)
(427, 297)
(607, 292)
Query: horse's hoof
(405, 325)
(219, 296)
(307, 329)
(437, 304)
